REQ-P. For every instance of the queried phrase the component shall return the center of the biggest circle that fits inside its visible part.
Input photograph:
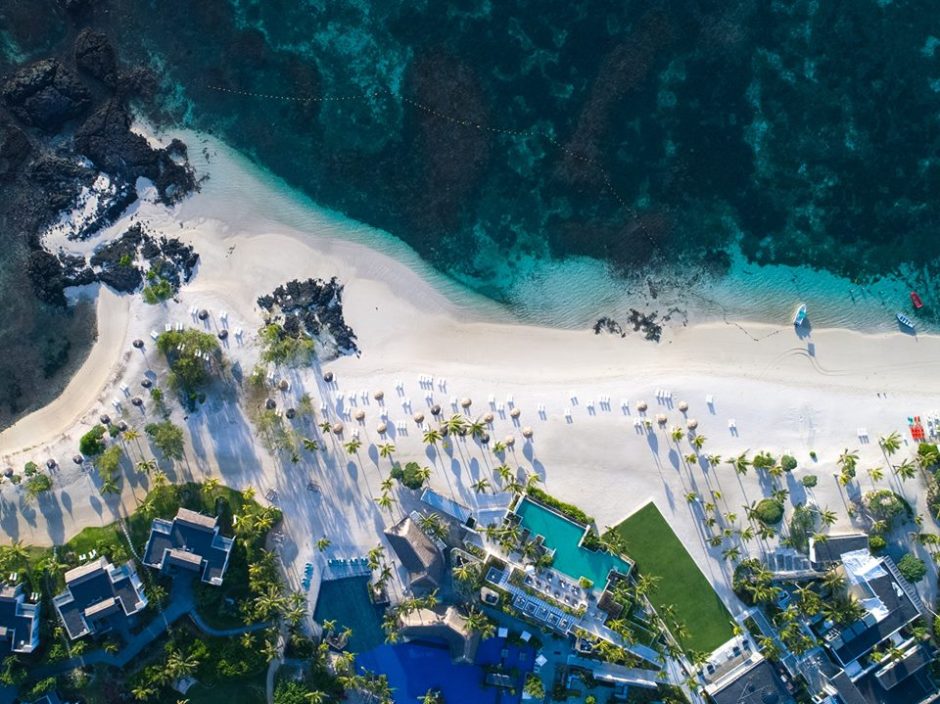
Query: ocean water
(701, 159)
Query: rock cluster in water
(311, 307)
(645, 322)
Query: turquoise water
(347, 602)
(564, 537)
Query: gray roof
(19, 621)
(191, 541)
(823, 553)
(758, 685)
(418, 554)
(911, 684)
(99, 595)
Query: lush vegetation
(912, 567)
(569, 510)
(194, 358)
(280, 347)
(166, 437)
(682, 588)
(809, 481)
(92, 443)
(412, 475)
(885, 505)
(157, 289)
(769, 511)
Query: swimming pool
(564, 537)
(347, 602)
(415, 667)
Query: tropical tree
(740, 463)
(109, 485)
(828, 516)
(146, 466)
(478, 622)
(385, 501)
(352, 447)
(386, 450)
(310, 445)
(876, 474)
(481, 486)
(890, 443)
(323, 544)
(906, 470)
(676, 433)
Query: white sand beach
(782, 392)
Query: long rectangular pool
(564, 536)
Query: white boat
(905, 321)
(800, 315)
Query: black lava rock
(95, 56)
(46, 275)
(46, 94)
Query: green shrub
(92, 443)
(189, 372)
(876, 543)
(158, 290)
(812, 455)
(769, 512)
(885, 505)
(809, 481)
(167, 437)
(912, 568)
(37, 484)
(569, 510)
(585, 583)
(412, 475)
(30, 468)
(110, 461)
(763, 460)
(788, 462)
(279, 347)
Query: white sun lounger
(167, 327)
(154, 335)
(491, 398)
(568, 413)
(541, 408)
(862, 433)
(509, 399)
(731, 424)
(709, 399)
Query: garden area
(681, 586)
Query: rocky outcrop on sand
(45, 94)
(313, 307)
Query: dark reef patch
(312, 307)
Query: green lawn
(652, 544)
(247, 690)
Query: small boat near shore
(800, 315)
(905, 321)
(916, 300)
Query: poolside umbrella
(378, 395)
(692, 424)
(683, 406)
(337, 428)
(51, 464)
(435, 410)
(527, 432)
(122, 426)
(641, 406)
(270, 404)
(509, 441)
(290, 413)
(360, 414)
(78, 459)
(283, 384)
(465, 402)
(146, 383)
(381, 428)
(203, 314)
(515, 412)
(223, 333)
(137, 401)
(138, 343)
(105, 419)
(487, 417)
(661, 418)
(418, 417)
(328, 377)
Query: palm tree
(828, 516)
(325, 426)
(432, 436)
(906, 470)
(386, 449)
(481, 486)
(109, 485)
(375, 556)
(146, 466)
(270, 650)
(890, 443)
(160, 479)
(387, 484)
(143, 692)
(833, 580)
(714, 460)
(504, 473)
(179, 666)
(210, 486)
(876, 474)
(499, 447)
(455, 424)
(848, 461)
(323, 544)
(740, 463)
(691, 458)
(310, 445)
(385, 502)
(423, 474)
(676, 433)
(431, 697)
(315, 696)
(248, 641)
(352, 447)
(477, 622)
(698, 442)
(732, 554)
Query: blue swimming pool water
(414, 668)
(347, 602)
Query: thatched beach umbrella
(51, 464)
(641, 406)
(487, 417)
(283, 384)
(328, 377)
(691, 424)
(223, 334)
(661, 418)
(270, 404)
(146, 383)
(137, 401)
(683, 406)
(290, 413)
(485, 438)
(104, 419)
(337, 428)
(122, 426)
(138, 343)
(78, 459)
(527, 432)
(203, 314)
(509, 441)
(465, 402)
(515, 412)
(382, 428)
(418, 417)
(359, 415)
(378, 395)
(435, 410)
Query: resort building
(755, 681)
(190, 542)
(418, 554)
(19, 622)
(448, 627)
(823, 554)
(99, 596)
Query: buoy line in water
(453, 119)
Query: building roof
(99, 595)
(449, 627)
(759, 684)
(897, 671)
(911, 684)
(190, 541)
(886, 600)
(418, 554)
(823, 553)
(19, 621)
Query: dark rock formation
(609, 325)
(46, 274)
(647, 323)
(311, 307)
(14, 150)
(45, 94)
(95, 56)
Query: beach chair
(710, 400)
(154, 335)
(541, 408)
(509, 399)
(862, 434)
(125, 388)
(568, 414)
(491, 399)
(731, 424)
(238, 332)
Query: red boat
(915, 299)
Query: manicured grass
(244, 690)
(652, 544)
